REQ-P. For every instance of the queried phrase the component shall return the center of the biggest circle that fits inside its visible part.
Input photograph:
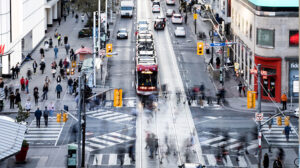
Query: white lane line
(101, 114)
(132, 84)
(40, 139)
(121, 135)
(95, 139)
(113, 139)
(107, 116)
(228, 163)
(127, 159)
(212, 140)
(211, 160)
(59, 135)
(117, 117)
(242, 162)
(97, 159)
(224, 142)
(112, 159)
(124, 119)
(97, 146)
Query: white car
(177, 18)
(155, 8)
(296, 111)
(142, 22)
(170, 2)
(122, 34)
(179, 32)
(170, 12)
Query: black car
(155, 3)
(85, 32)
(159, 24)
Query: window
(294, 38)
(246, 28)
(250, 31)
(265, 37)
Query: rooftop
(275, 3)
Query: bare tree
(89, 6)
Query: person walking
(218, 62)
(240, 88)
(131, 153)
(51, 108)
(45, 91)
(58, 79)
(67, 47)
(76, 18)
(266, 161)
(18, 98)
(283, 100)
(270, 122)
(244, 90)
(82, 18)
(13, 72)
(58, 39)
(72, 54)
(38, 115)
(70, 85)
(55, 52)
(58, 90)
(66, 38)
(22, 83)
(59, 20)
(17, 70)
(73, 12)
(34, 66)
(5, 92)
(12, 100)
(29, 73)
(28, 105)
(277, 163)
(46, 115)
(26, 85)
(50, 42)
(65, 17)
(47, 80)
(42, 52)
(287, 130)
(42, 66)
(36, 95)
(185, 19)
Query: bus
(146, 78)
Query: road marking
(228, 162)
(96, 139)
(242, 162)
(212, 140)
(224, 142)
(112, 159)
(211, 160)
(112, 139)
(98, 146)
(121, 135)
(127, 159)
(97, 159)
(132, 84)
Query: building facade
(266, 33)
(23, 26)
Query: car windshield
(169, 11)
(143, 28)
(177, 16)
(155, 6)
(143, 22)
(126, 8)
(122, 31)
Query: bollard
(65, 117)
(58, 117)
(279, 122)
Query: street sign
(195, 16)
(259, 116)
(221, 44)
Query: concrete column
(55, 11)
(49, 17)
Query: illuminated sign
(294, 38)
(2, 49)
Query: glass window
(265, 37)
(294, 38)
(250, 31)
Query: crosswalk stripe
(42, 132)
(112, 159)
(106, 115)
(285, 143)
(212, 140)
(280, 135)
(113, 139)
(96, 139)
(282, 139)
(235, 145)
(252, 146)
(242, 162)
(116, 117)
(43, 129)
(127, 159)
(121, 135)
(95, 111)
(41, 135)
(228, 162)
(97, 159)
(102, 113)
(224, 142)
(40, 138)
(97, 146)
(124, 119)
(211, 160)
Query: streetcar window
(145, 79)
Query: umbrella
(84, 50)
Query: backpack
(46, 113)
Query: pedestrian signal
(251, 98)
(72, 71)
(118, 98)
(279, 121)
(73, 64)
(200, 46)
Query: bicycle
(296, 162)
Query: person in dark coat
(50, 43)
(240, 88)
(266, 161)
(38, 115)
(12, 100)
(66, 40)
(45, 91)
(42, 52)
(36, 95)
(6, 92)
(58, 79)
(18, 98)
(42, 66)
(17, 70)
(46, 115)
(218, 62)
(60, 64)
(277, 163)
(58, 90)
(34, 66)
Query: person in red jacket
(26, 85)
(22, 82)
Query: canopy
(84, 50)
(12, 136)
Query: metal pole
(99, 23)
(79, 125)
(195, 22)
(222, 63)
(106, 20)
(111, 5)
(212, 48)
(299, 92)
(95, 46)
(259, 111)
(84, 122)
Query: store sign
(294, 65)
(2, 49)
(295, 86)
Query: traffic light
(279, 121)
(58, 117)
(65, 117)
(251, 98)
(118, 98)
(200, 46)
(287, 121)
(72, 71)
(108, 48)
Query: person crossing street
(46, 115)
(283, 100)
(58, 90)
(38, 115)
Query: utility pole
(259, 111)
(99, 24)
(222, 63)
(79, 125)
(106, 21)
(212, 48)
(84, 121)
(95, 47)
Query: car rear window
(177, 16)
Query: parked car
(155, 9)
(179, 32)
(170, 2)
(177, 18)
(122, 34)
(85, 32)
(170, 12)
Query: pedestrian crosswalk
(111, 159)
(107, 140)
(275, 135)
(231, 144)
(227, 161)
(213, 105)
(109, 115)
(44, 135)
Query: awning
(12, 136)
(50, 3)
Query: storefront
(293, 79)
(271, 80)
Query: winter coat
(18, 98)
(58, 88)
(46, 113)
(38, 114)
(266, 161)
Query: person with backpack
(46, 115)
(34, 66)
(277, 163)
(58, 90)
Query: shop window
(265, 38)
(294, 38)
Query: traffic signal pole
(79, 125)
(259, 111)
(84, 121)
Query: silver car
(170, 12)
(180, 32)
(170, 2)
(122, 34)
(177, 18)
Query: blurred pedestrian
(42, 66)
(38, 115)
(277, 163)
(18, 98)
(47, 80)
(121, 153)
(36, 95)
(244, 89)
(218, 62)
(45, 92)
(26, 85)
(42, 52)
(65, 17)
(131, 153)
(55, 52)
(51, 108)
(12, 100)
(82, 18)
(70, 85)
(58, 79)
(283, 100)
(66, 38)
(6, 92)
(34, 66)
(46, 115)
(13, 72)
(76, 18)
(29, 73)
(58, 90)
(240, 88)
(59, 40)
(59, 20)
(266, 161)
(73, 12)
(67, 47)
(270, 122)
(17, 69)
(50, 43)
(22, 83)
(287, 130)
(28, 105)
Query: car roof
(180, 28)
(122, 29)
(176, 14)
(170, 10)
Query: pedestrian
(82, 18)
(22, 83)
(50, 43)
(65, 17)
(58, 90)
(34, 66)
(28, 105)
(36, 95)
(17, 70)
(277, 163)
(287, 130)
(42, 66)
(38, 115)
(76, 18)
(156, 146)
(58, 79)
(13, 72)
(73, 12)
(62, 72)
(12, 100)
(55, 52)
(283, 100)
(29, 73)
(59, 40)
(185, 19)
(66, 40)
(60, 64)
(45, 91)
(244, 89)
(270, 122)
(218, 62)
(75, 84)
(67, 47)
(27, 85)
(70, 85)
(18, 98)
(266, 161)
(131, 153)
(240, 88)
(53, 71)
(5, 92)
(47, 80)
(121, 153)
(59, 20)
(46, 115)
(42, 52)
(51, 108)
